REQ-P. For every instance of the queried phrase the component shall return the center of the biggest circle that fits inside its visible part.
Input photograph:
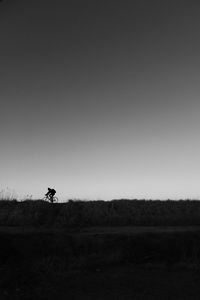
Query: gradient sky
(100, 99)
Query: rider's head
(49, 189)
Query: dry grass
(98, 213)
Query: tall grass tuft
(8, 194)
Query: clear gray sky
(100, 99)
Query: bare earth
(123, 281)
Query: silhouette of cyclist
(51, 193)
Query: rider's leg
(53, 194)
(51, 198)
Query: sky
(100, 99)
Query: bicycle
(51, 199)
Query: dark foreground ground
(122, 282)
(100, 263)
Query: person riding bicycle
(51, 193)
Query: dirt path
(123, 230)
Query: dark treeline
(100, 213)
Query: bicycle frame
(50, 198)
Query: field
(44, 255)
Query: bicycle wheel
(55, 199)
(45, 198)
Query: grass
(8, 195)
(99, 213)
(51, 251)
